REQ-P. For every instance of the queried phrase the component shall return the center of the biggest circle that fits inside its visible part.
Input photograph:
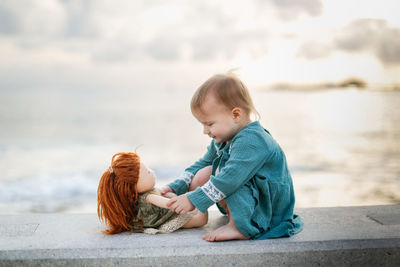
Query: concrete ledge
(357, 236)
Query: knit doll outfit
(158, 220)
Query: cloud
(164, 48)
(314, 50)
(292, 9)
(8, 23)
(371, 35)
(359, 36)
(35, 19)
(108, 52)
(78, 20)
(388, 47)
(201, 32)
(142, 30)
(228, 44)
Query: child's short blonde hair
(229, 90)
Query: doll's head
(118, 191)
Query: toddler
(248, 176)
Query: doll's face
(147, 179)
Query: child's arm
(166, 190)
(181, 185)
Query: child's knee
(201, 177)
(199, 219)
(202, 218)
(203, 174)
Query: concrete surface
(342, 236)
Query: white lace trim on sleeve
(186, 177)
(212, 192)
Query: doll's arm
(157, 200)
(170, 195)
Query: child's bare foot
(226, 232)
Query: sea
(342, 145)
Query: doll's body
(157, 219)
(128, 201)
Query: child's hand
(180, 204)
(166, 189)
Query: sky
(178, 44)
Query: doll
(128, 201)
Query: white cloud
(35, 19)
(388, 47)
(142, 30)
(371, 35)
(292, 9)
(314, 50)
(359, 34)
(8, 23)
(104, 36)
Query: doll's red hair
(117, 194)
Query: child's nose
(205, 130)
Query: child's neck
(246, 120)
(243, 123)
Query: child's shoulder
(256, 137)
(254, 133)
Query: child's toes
(206, 237)
(210, 237)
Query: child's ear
(237, 114)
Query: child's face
(147, 179)
(218, 121)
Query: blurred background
(82, 80)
